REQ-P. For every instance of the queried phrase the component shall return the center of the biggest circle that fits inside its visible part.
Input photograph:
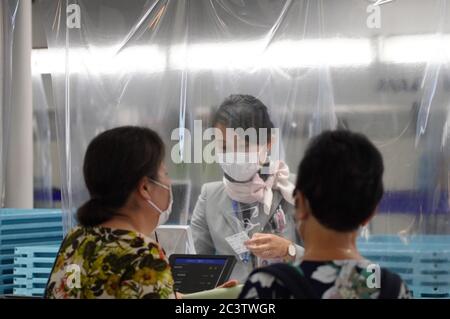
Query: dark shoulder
(264, 285)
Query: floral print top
(336, 279)
(100, 262)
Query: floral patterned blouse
(111, 263)
(337, 279)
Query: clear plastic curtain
(317, 64)
(8, 9)
(43, 142)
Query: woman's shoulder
(211, 186)
(329, 279)
(361, 279)
(263, 284)
(212, 189)
(112, 257)
(103, 239)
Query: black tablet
(194, 273)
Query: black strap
(292, 278)
(390, 285)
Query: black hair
(115, 162)
(341, 176)
(244, 111)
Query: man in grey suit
(250, 213)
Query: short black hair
(244, 111)
(341, 176)
(114, 163)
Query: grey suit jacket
(213, 220)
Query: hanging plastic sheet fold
(44, 191)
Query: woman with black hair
(339, 186)
(249, 213)
(110, 255)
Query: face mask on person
(163, 214)
(241, 166)
(240, 172)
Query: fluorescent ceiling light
(336, 52)
(98, 61)
(416, 49)
(245, 55)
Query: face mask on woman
(163, 214)
(242, 166)
(240, 172)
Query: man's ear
(302, 207)
(144, 188)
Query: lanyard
(245, 257)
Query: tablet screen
(193, 273)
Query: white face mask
(240, 166)
(163, 215)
